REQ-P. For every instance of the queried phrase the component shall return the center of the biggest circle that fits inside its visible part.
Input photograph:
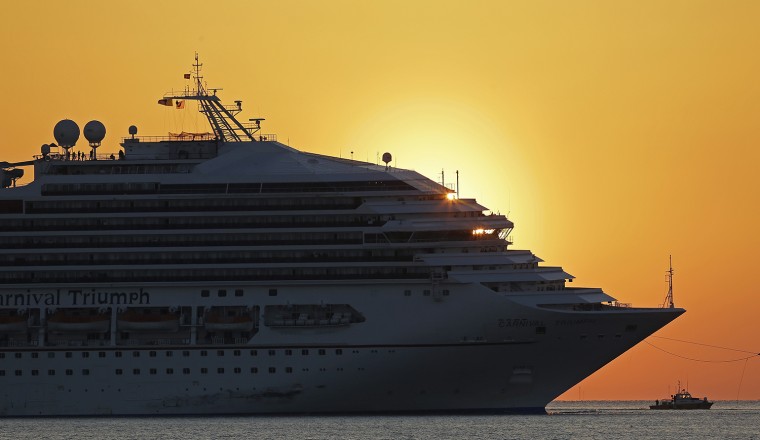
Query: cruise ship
(228, 273)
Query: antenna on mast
(198, 78)
(221, 117)
(669, 297)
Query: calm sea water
(566, 420)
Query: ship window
(220, 370)
(236, 352)
(426, 292)
(631, 327)
(2, 372)
(185, 371)
(170, 371)
(339, 351)
(136, 371)
(35, 355)
(204, 293)
(119, 371)
(185, 353)
(271, 352)
(51, 372)
(2, 355)
(18, 355)
(169, 353)
(152, 354)
(69, 372)
(35, 372)
(289, 369)
(102, 354)
(222, 293)
(136, 354)
(238, 292)
(204, 353)
(86, 372)
(68, 354)
(254, 370)
(321, 351)
(85, 354)
(272, 292)
(118, 354)
(19, 372)
(220, 353)
(407, 293)
(272, 370)
(237, 370)
(288, 352)
(540, 330)
(152, 371)
(445, 292)
(204, 370)
(254, 352)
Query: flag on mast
(187, 76)
(180, 104)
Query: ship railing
(621, 305)
(191, 137)
(75, 158)
(180, 137)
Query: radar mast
(221, 117)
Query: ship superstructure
(226, 272)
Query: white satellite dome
(66, 133)
(94, 132)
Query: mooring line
(707, 345)
(704, 360)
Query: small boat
(682, 400)
(13, 323)
(148, 321)
(78, 321)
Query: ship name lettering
(27, 300)
(519, 322)
(108, 298)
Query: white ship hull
(474, 350)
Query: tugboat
(682, 400)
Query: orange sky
(613, 133)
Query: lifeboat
(13, 324)
(216, 322)
(135, 321)
(66, 321)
